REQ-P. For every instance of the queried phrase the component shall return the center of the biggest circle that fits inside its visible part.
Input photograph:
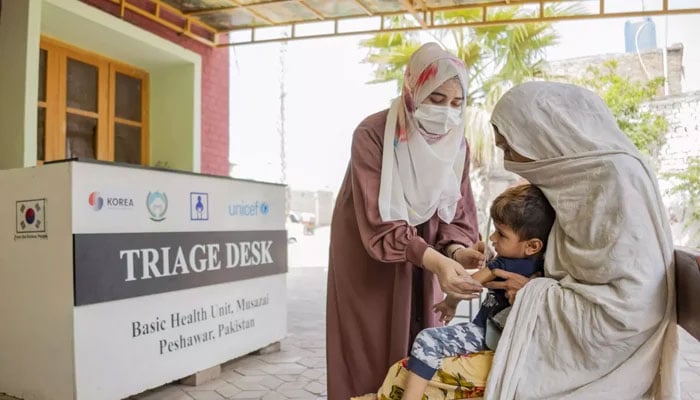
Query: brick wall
(628, 65)
(215, 88)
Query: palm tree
(497, 57)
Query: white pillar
(20, 32)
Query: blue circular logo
(157, 205)
(264, 208)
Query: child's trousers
(434, 344)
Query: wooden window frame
(57, 110)
(114, 68)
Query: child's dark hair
(526, 211)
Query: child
(523, 218)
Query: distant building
(650, 66)
(681, 110)
(320, 203)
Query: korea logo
(157, 205)
(96, 201)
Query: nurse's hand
(453, 279)
(470, 257)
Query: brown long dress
(378, 299)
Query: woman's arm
(395, 241)
(389, 242)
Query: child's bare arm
(484, 275)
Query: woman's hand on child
(511, 284)
(487, 251)
(470, 257)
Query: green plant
(687, 184)
(497, 57)
(625, 98)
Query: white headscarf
(602, 324)
(422, 172)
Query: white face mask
(438, 120)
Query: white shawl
(602, 323)
(422, 173)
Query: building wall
(682, 143)
(628, 66)
(215, 88)
(681, 110)
(302, 201)
(320, 203)
(326, 203)
(683, 137)
(19, 37)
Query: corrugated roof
(256, 21)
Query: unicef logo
(96, 201)
(249, 209)
(157, 205)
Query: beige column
(20, 31)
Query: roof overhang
(236, 22)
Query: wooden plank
(51, 151)
(105, 100)
(82, 113)
(143, 76)
(688, 289)
(112, 89)
(145, 118)
(129, 122)
(60, 134)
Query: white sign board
(172, 273)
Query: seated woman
(601, 324)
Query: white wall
(682, 143)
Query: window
(90, 107)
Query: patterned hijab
(422, 172)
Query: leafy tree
(626, 98)
(497, 57)
(687, 184)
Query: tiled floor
(298, 371)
